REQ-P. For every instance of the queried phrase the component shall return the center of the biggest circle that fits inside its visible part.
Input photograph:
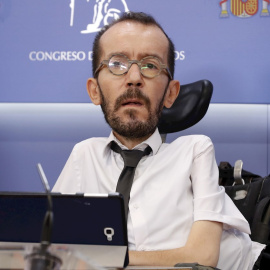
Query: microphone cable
(41, 258)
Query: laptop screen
(93, 225)
(78, 219)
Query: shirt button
(135, 206)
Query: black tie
(131, 159)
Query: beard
(134, 128)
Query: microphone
(41, 258)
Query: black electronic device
(93, 225)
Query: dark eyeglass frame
(130, 62)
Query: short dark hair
(139, 17)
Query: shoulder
(193, 140)
(190, 145)
(97, 143)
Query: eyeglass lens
(119, 64)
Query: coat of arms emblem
(244, 8)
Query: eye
(118, 63)
(115, 64)
(149, 66)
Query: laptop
(91, 227)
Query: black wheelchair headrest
(188, 109)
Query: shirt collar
(154, 141)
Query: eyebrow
(140, 55)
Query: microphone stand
(41, 258)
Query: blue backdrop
(45, 57)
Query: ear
(93, 91)
(172, 93)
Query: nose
(134, 76)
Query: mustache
(132, 93)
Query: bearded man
(176, 211)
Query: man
(177, 211)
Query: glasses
(119, 64)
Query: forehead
(134, 39)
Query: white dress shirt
(174, 186)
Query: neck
(130, 143)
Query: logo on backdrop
(244, 8)
(103, 13)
